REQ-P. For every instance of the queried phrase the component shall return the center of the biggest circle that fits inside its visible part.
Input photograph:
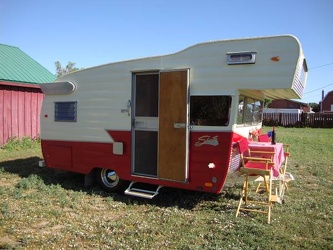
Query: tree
(70, 67)
(267, 102)
(315, 106)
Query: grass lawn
(45, 209)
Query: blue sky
(90, 33)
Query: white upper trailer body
(168, 120)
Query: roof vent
(241, 58)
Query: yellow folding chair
(284, 176)
(264, 138)
(255, 167)
(286, 156)
(280, 183)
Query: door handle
(179, 125)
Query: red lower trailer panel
(208, 159)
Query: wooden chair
(264, 138)
(255, 167)
(286, 156)
(285, 176)
(281, 182)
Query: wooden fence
(313, 120)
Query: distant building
(289, 104)
(20, 94)
(326, 104)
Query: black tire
(109, 180)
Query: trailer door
(173, 125)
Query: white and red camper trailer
(168, 120)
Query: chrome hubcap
(109, 177)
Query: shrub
(15, 143)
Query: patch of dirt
(8, 242)
(40, 225)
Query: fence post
(302, 120)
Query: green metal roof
(17, 66)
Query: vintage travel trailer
(168, 120)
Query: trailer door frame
(160, 125)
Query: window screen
(249, 111)
(146, 95)
(65, 112)
(210, 110)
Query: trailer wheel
(109, 180)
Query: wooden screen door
(173, 126)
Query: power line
(318, 89)
(320, 66)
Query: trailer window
(65, 112)
(210, 110)
(146, 97)
(249, 111)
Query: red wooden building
(20, 95)
(289, 104)
(327, 103)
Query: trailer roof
(189, 47)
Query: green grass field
(45, 209)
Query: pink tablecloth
(268, 147)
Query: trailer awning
(58, 88)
